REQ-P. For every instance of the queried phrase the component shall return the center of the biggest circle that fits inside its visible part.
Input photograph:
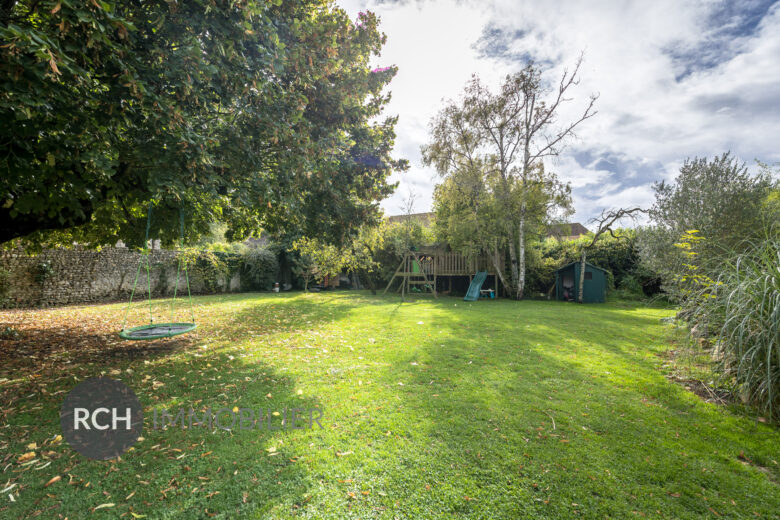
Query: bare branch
(608, 218)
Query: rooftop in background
(426, 219)
(570, 231)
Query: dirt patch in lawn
(773, 478)
(703, 390)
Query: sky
(675, 80)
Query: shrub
(259, 268)
(741, 313)
(630, 285)
(209, 266)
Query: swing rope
(178, 270)
(138, 271)
(164, 330)
(186, 274)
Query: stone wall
(81, 276)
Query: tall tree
(491, 146)
(718, 198)
(256, 113)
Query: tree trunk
(514, 275)
(521, 259)
(369, 281)
(582, 276)
(499, 262)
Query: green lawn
(432, 409)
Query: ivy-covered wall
(67, 276)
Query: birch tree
(498, 141)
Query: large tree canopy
(258, 114)
(489, 147)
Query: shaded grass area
(432, 409)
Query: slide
(476, 284)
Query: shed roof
(586, 263)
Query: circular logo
(101, 418)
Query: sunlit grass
(433, 409)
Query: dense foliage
(721, 200)
(619, 256)
(715, 240)
(259, 268)
(316, 260)
(739, 313)
(256, 113)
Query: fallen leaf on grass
(25, 457)
(53, 480)
(105, 506)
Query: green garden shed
(567, 280)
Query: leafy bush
(719, 197)
(316, 260)
(210, 266)
(741, 313)
(630, 285)
(259, 268)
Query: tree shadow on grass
(172, 472)
(526, 432)
(176, 471)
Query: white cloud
(675, 79)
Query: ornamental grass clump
(743, 318)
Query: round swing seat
(157, 331)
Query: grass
(432, 409)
